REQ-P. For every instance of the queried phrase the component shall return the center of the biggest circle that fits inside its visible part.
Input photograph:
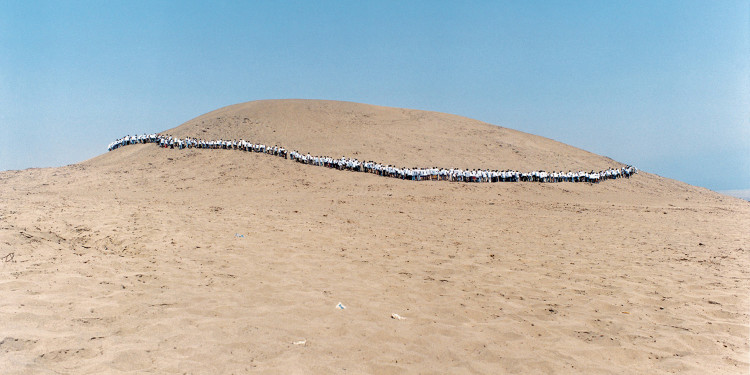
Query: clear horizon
(662, 86)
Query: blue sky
(663, 85)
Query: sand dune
(208, 261)
(397, 136)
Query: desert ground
(150, 260)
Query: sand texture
(149, 260)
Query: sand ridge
(396, 136)
(131, 263)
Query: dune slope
(210, 261)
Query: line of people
(413, 174)
(166, 141)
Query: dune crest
(397, 136)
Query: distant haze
(743, 194)
(663, 86)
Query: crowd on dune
(414, 174)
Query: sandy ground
(147, 260)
